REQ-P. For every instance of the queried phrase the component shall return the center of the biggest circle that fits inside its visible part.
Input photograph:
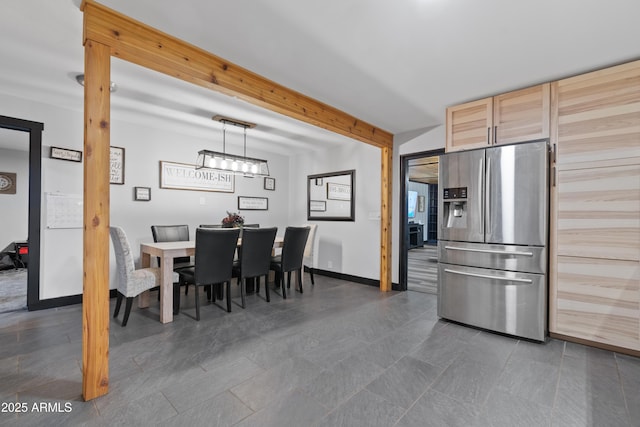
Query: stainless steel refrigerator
(493, 212)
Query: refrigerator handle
(481, 181)
(487, 276)
(487, 203)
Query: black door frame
(35, 187)
(404, 232)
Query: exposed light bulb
(254, 168)
(234, 166)
(212, 162)
(245, 167)
(223, 164)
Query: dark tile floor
(341, 354)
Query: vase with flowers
(233, 220)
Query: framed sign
(338, 191)
(142, 194)
(253, 203)
(116, 156)
(7, 183)
(65, 154)
(269, 183)
(317, 206)
(180, 176)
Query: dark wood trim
(35, 188)
(595, 344)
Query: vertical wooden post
(95, 298)
(385, 218)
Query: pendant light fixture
(231, 163)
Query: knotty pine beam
(386, 160)
(141, 44)
(95, 293)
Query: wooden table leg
(143, 299)
(166, 289)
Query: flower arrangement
(232, 220)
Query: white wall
(343, 246)
(14, 224)
(61, 249)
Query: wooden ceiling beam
(141, 44)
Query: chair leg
(299, 275)
(257, 285)
(284, 290)
(266, 286)
(118, 304)
(197, 304)
(127, 311)
(288, 279)
(229, 296)
(243, 288)
(176, 298)
(311, 274)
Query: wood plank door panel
(598, 213)
(598, 116)
(522, 115)
(469, 125)
(599, 300)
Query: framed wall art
(142, 194)
(7, 183)
(116, 156)
(65, 154)
(253, 203)
(181, 176)
(269, 183)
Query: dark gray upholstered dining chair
(291, 257)
(174, 233)
(215, 249)
(254, 258)
(130, 282)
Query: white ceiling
(396, 64)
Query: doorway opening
(25, 251)
(419, 221)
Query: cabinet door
(522, 115)
(597, 116)
(599, 212)
(469, 125)
(599, 300)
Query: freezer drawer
(502, 301)
(528, 259)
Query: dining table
(166, 252)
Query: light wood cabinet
(517, 116)
(595, 207)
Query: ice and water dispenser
(455, 207)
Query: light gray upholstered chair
(308, 260)
(130, 282)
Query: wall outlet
(330, 264)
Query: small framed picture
(117, 165)
(142, 194)
(269, 183)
